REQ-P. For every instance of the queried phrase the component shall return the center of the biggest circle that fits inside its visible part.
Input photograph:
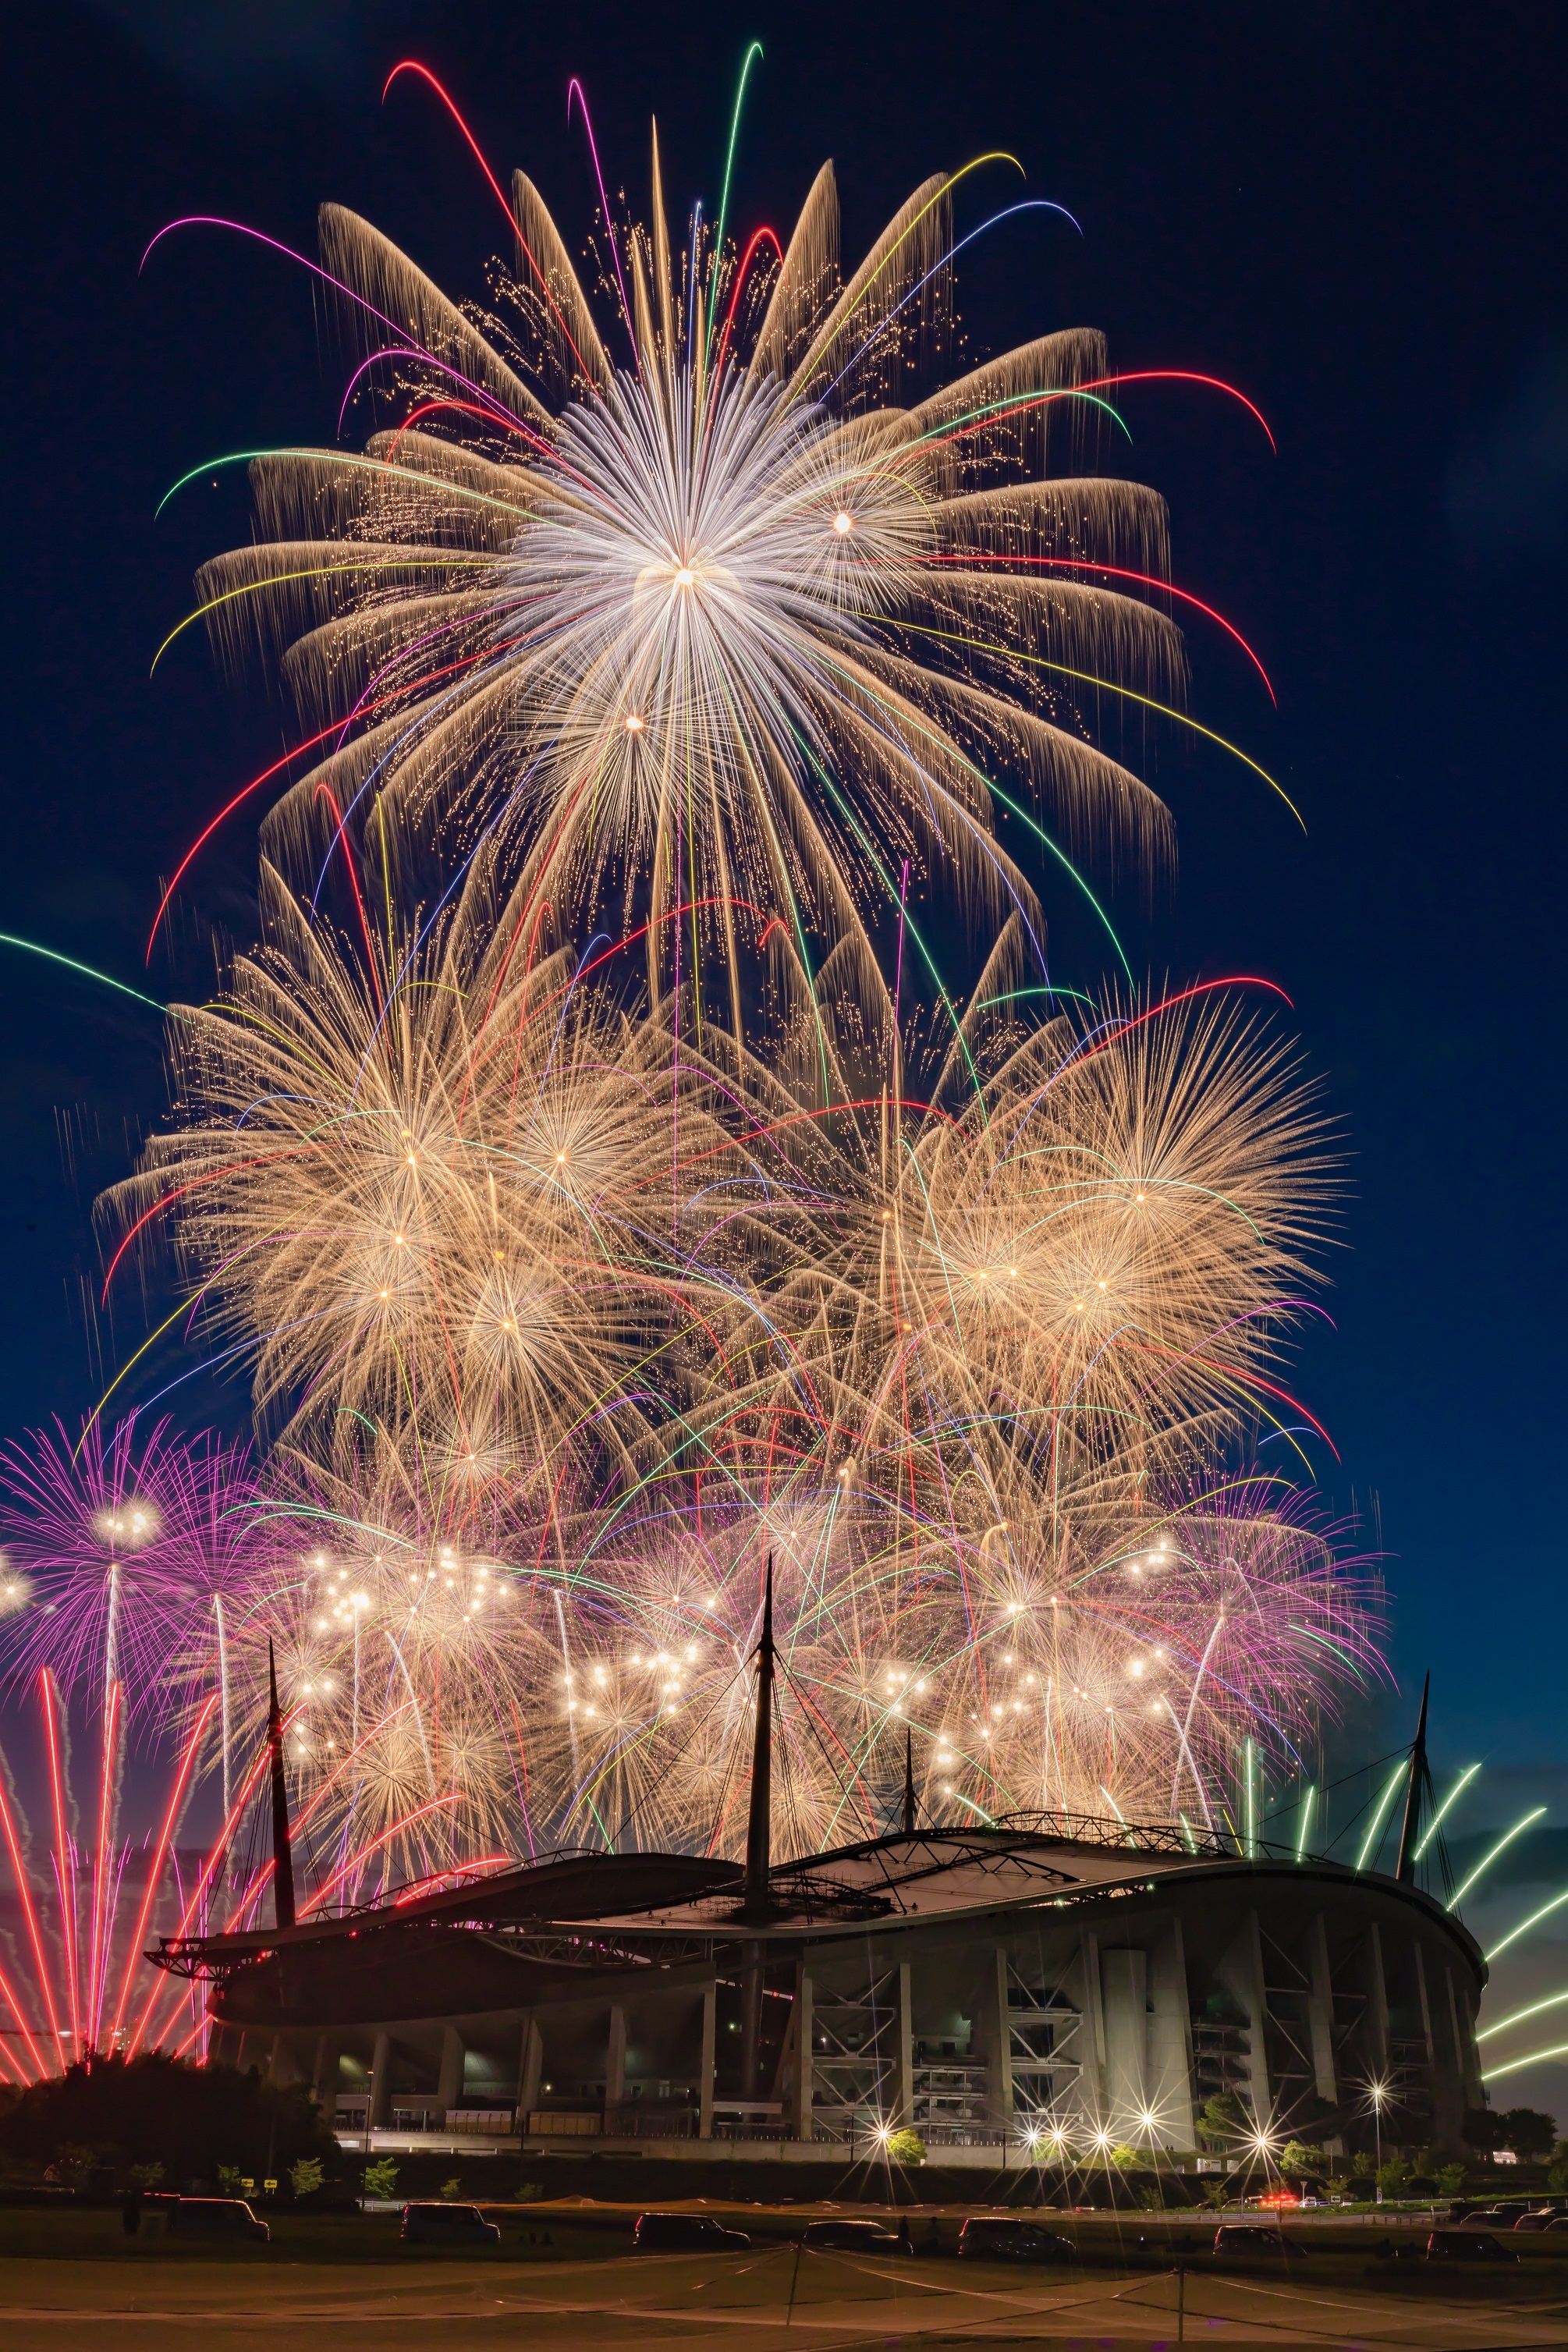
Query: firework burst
(134, 1558)
(596, 1223)
(728, 635)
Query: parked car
(680, 2233)
(1009, 2237)
(1467, 2245)
(1542, 2219)
(1247, 2238)
(1504, 2213)
(854, 2238)
(216, 2217)
(446, 2225)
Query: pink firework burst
(129, 1563)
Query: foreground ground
(562, 2278)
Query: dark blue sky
(1355, 213)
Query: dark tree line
(155, 2110)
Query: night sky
(1355, 212)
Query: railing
(1153, 1837)
(651, 2119)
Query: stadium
(1055, 1983)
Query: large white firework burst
(728, 630)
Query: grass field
(564, 2280)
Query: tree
(1224, 2122)
(1527, 2131)
(305, 2176)
(1450, 2179)
(1127, 2158)
(1296, 2158)
(906, 2147)
(146, 2176)
(155, 2110)
(1392, 2175)
(452, 2189)
(381, 2178)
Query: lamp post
(1377, 2097)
